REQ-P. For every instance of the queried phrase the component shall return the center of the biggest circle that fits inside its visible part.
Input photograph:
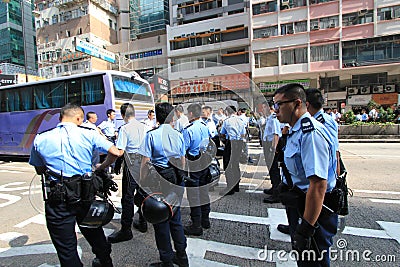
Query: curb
(369, 140)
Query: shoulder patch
(320, 118)
(307, 125)
(47, 130)
(187, 126)
(84, 127)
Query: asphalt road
(243, 231)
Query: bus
(31, 108)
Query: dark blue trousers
(61, 220)
(131, 172)
(163, 233)
(323, 236)
(199, 200)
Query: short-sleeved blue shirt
(309, 152)
(233, 127)
(194, 134)
(161, 144)
(107, 127)
(67, 148)
(131, 136)
(330, 125)
(272, 127)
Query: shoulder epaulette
(320, 118)
(204, 123)
(152, 129)
(187, 126)
(274, 115)
(47, 130)
(307, 125)
(84, 127)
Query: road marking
(10, 199)
(386, 201)
(275, 217)
(8, 171)
(9, 187)
(197, 249)
(365, 232)
(10, 236)
(376, 192)
(392, 229)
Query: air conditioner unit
(315, 27)
(365, 90)
(362, 12)
(265, 35)
(290, 32)
(212, 30)
(352, 90)
(285, 2)
(378, 89)
(390, 88)
(180, 16)
(332, 25)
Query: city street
(243, 228)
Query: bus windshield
(125, 87)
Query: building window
(75, 66)
(389, 13)
(361, 17)
(294, 56)
(265, 32)
(324, 23)
(324, 52)
(265, 7)
(269, 59)
(300, 26)
(54, 19)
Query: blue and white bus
(30, 108)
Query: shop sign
(270, 87)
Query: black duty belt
(58, 176)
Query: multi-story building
(18, 40)
(208, 50)
(351, 49)
(63, 25)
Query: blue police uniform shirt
(67, 148)
(272, 127)
(233, 127)
(309, 152)
(107, 127)
(161, 144)
(193, 135)
(131, 136)
(331, 125)
(212, 129)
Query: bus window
(3, 101)
(57, 94)
(124, 87)
(93, 90)
(42, 96)
(13, 100)
(74, 91)
(26, 98)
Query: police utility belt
(75, 190)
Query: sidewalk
(370, 140)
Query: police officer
(233, 128)
(181, 119)
(130, 138)
(272, 133)
(207, 117)
(196, 134)
(312, 169)
(160, 146)
(64, 152)
(108, 126)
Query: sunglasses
(277, 105)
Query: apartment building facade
(62, 24)
(351, 49)
(17, 38)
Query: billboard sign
(93, 50)
(7, 79)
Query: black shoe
(271, 200)
(268, 191)
(250, 161)
(181, 259)
(193, 230)
(162, 264)
(98, 263)
(283, 228)
(206, 224)
(140, 225)
(226, 191)
(120, 236)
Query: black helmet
(157, 209)
(100, 213)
